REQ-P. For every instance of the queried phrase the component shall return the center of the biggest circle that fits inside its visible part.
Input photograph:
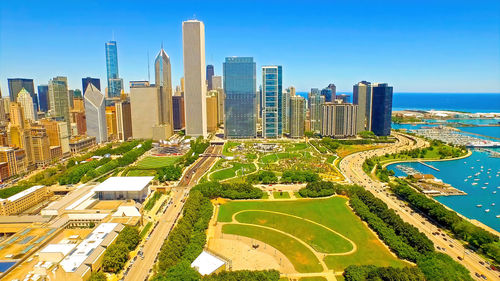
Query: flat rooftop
(23, 193)
(207, 263)
(124, 184)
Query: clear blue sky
(416, 46)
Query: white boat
(476, 179)
(486, 183)
(484, 187)
(475, 183)
(492, 204)
(469, 177)
(495, 192)
(498, 216)
(482, 167)
(479, 205)
(487, 210)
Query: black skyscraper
(381, 109)
(43, 97)
(210, 73)
(17, 84)
(94, 81)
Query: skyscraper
(327, 93)
(381, 109)
(239, 104)
(115, 83)
(193, 39)
(43, 97)
(316, 102)
(212, 112)
(332, 87)
(285, 101)
(59, 100)
(24, 99)
(123, 120)
(362, 96)
(163, 82)
(297, 116)
(15, 86)
(95, 113)
(94, 81)
(178, 112)
(210, 74)
(272, 115)
(344, 98)
(339, 120)
(216, 82)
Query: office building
(25, 100)
(15, 86)
(95, 114)
(123, 120)
(339, 120)
(163, 82)
(286, 110)
(94, 81)
(3, 111)
(77, 94)
(316, 102)
(216, 82)
(183, 88)
(81, 143)
(210, 74)
(381, 109)
(124, 188)
(178, 112)
(239, 104)
(43, 97)
(193, 36)
(115, 83)
(211, 112)
(40, 146)
(23, 200)
(344, 98)
(297, 116)
(221, 97)
(79, 119)
(272, 101)
(59, 100)
(327, 93)
(362, 96)
(58, 135)
(333, 88)
(111, 123)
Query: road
(142, 268)
(351, 167)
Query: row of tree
(229, 190)
(169, 173)
(289, 176)
(198, 146)
(117, 254)
(265, 177)
(374, 273)
(318, 189)
(475, 236)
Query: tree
(115, 256)
(97, 276)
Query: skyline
(455, 49)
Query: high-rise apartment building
(286, 110)
(193, 37)
(40, 145)
(163, 82)
(144, 105)
(362, 96)
(43, 97)
(297, 116)
(123, 120)
(216, 82)
(239, 103)
(94, 81)
(95, 113)
(25, 100)
(178, 111)
(211, 112)
(15, 86)
(339, 120)
(272, 113)
(381, 109)
(58, 136)
(59, 100)
(210, 74)
(115, 83)
(316, 102)
(344, 98)
(111, 123)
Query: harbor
(454, 136)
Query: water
(487, 131)
(455, 172)
(4, 266)
(473, 102)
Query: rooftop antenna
(162, 44)
(113, 35)
(149, 79)
(194, 16)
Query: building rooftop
(207, 263)
(124, 184)
(127, 211)
(23, 193)
(58, 248)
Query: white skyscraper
(163, 82)
(95, 114)
(193, 38)
(26, 101)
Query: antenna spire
(162, 44)
(149, 78)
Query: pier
(430, 166)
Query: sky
(415, 46)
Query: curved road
(352, 168)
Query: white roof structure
(23, 193)
(207, 263)
(123, 184)
(58, 248)
(87, 246)
(127, 211)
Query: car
(477, 274)
(451, 246)
(460, 258)
(484, 277)
(481, 262)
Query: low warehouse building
(124, 188)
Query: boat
(484, 187)
(476, 179)
(479, 205)
(465, 180)
(469, 177)
(498, 216)
(486, 183)
(475, 183)
(465, 162)
(495, 192)
(487, 210)
(492, 204)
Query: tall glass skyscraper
(210, 74)
(328, 94)
(240, 103)
(17, 84)
(381, 109)
(43, 97)
(272, 94)
(115, 84)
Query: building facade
(211, 113)
(115, 83)
(239, 103)
(163, 82)
(123, 120)
(26, 101)
(316, 102)
(362, 96)
(178, 112)
(15, 86)
(95, 114)
(272, 101)
(339, 120)
(297, 116)
(59, 99)
(43, 97)
(381, 109)
(193, 37)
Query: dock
(430, 166)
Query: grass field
(296, 147)
(281, 195)
(233, 171)
(313, 279)
(227, 146)
(140, 173)
(156, 162)
(332, 213)
(271, 158)
(145, 229)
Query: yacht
(465, 180)
(469, 177)
(476, 179)
(498, 216)
(484, 187)
(495, 192)
(479, 205)
(487, 210)
(475, 183)
(492, 204)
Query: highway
(143, 267)
(351, 167)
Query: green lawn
(297, 146)
(155, 162)
(281, 195)
(227, 146)
(332, 213)
(303, 259)
(233, 171)
(320, 238)
(271, 158)
(297, 194)
(140, 173)
(318, 278)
